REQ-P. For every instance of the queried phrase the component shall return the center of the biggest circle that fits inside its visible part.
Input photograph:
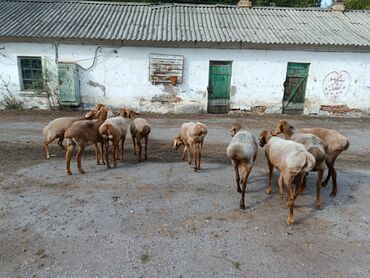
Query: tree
(357, 4)
(288, 3)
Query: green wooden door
(295, 88)
(219, 87)
(68, 84)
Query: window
(31, 73)
(165, 68)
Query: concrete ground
(159, 218)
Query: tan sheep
(140, 129)
(242, 152)
(336, 143)
(313, 145)
(56, 129)
(292, 160)
(115, 130)
(192, 137)
(83, 134)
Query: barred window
(31, 73)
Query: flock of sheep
(302, 151)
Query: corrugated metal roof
(182, 23)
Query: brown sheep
(336, 143)
(83, 134)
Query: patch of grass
(144, 258)
(235, 264)
(200, 189)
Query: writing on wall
(336, 85)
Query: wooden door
(295, 88)
(68, 84)
(219, 87)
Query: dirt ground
(161, 219)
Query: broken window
(165, 68)
(31, 73)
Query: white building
(217, 57)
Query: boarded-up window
(165, 68)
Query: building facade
(279, 65)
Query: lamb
(56, 129)
(83, 134)
(242, 151)
(192, 137)
(140, 129)
(313, 145)
(292, 160)
(115, 130)
(336, 144)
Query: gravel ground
(161, 219)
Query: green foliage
(8, 99)
(357, 4)
(288, 3)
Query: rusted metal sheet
(163, 67)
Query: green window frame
(31, 77)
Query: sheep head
(127, 113)
(283, 127)
(177, 142)
(234, 129)
(264, 138)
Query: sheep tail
(146, 130)
(309, 163)
(347, 145)
(106, 131)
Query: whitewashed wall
(120, 76)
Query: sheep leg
(146, 147)
(78, 158)
(199, 155)
(244, 185)
(298, 186)
(140, 148)
(271, 172)
(46, 146)
(320, 174)
(189, 148)
(195, 156)
(281, 190)
(60, 143)
(97, 153)
(334, 190)
(290, 204)
(134, 141)
(71, 146)
(325, 182)
(114, 152)
(122, 146)
(106, 151)
(184, 153)
(237, 177)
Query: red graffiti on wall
(336, 85)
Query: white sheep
(313, 145)
(242, 152)
(292, 160)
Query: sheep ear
(133, 114)
(292, 127)
(88, 114)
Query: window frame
(22, 78)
